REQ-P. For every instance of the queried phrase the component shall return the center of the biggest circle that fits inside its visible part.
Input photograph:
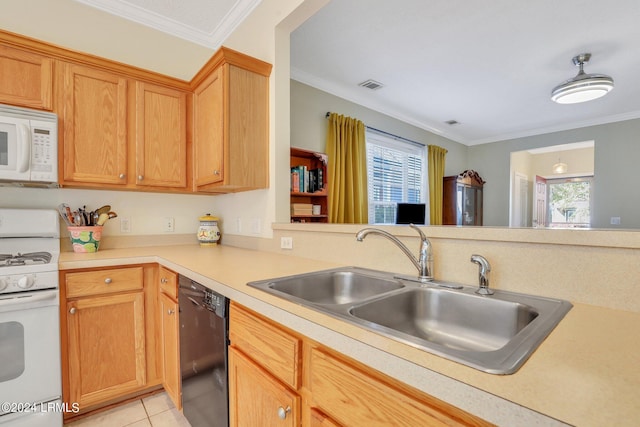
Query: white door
(540, 203)
(520, 207)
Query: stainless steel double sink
(495, 334)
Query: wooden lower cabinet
(106, 342)
(318, 419)
(170, 335)
(334, 390)
(108, 327)
(256, 398)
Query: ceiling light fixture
(583, 87)
(560, 167)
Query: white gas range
(30, 378)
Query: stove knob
(25, 282)
(3, 284)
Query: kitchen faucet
(483, 274)
(424, 262)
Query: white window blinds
(396, 173)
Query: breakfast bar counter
(585, 373)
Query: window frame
(409, 148)
(567, 180)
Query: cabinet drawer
(168, 282)
(258, 399)
(352, 397)
(275, 350)
(103, 281)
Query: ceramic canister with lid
(208, 232)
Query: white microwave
(28, 146)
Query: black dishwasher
(203, 354)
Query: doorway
(529, 168)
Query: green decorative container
(85, 239)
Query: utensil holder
(85, 239)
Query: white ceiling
(490, 65)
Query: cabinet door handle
(216, 172)
(72, 310)
(163, 280)
(121, 176)
(282, 412)
(170, 311)
(140, 177)
(108, 280)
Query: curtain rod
(387, 134)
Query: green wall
(309, 124)
(617, 154)
(616, 158)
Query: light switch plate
(286, 243)
(125, 225)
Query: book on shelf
(295, 181)
(304, 180)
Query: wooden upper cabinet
(122, 127)
(161, 136)
(231, 124)
(208, 130)
(25, 79)
(95, 126)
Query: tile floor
(152, 411)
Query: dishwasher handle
(191, 292)
(202, 297)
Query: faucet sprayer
(483, 274)
(424, 261)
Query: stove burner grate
(9, 260)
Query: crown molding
(212, 39)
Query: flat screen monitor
(410, 213)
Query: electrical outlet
(256, 226)
(169, 224)
(125, 225)
(239, 224)
(615, 220)
(286, 243)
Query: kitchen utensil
(78, 219)
(103, 209)
(102, 218)
(67, 218)
(112, 215)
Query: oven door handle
(39, 297)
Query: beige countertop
(585, 373)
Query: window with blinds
(396, 173)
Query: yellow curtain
(436, 173)
(347, 170)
